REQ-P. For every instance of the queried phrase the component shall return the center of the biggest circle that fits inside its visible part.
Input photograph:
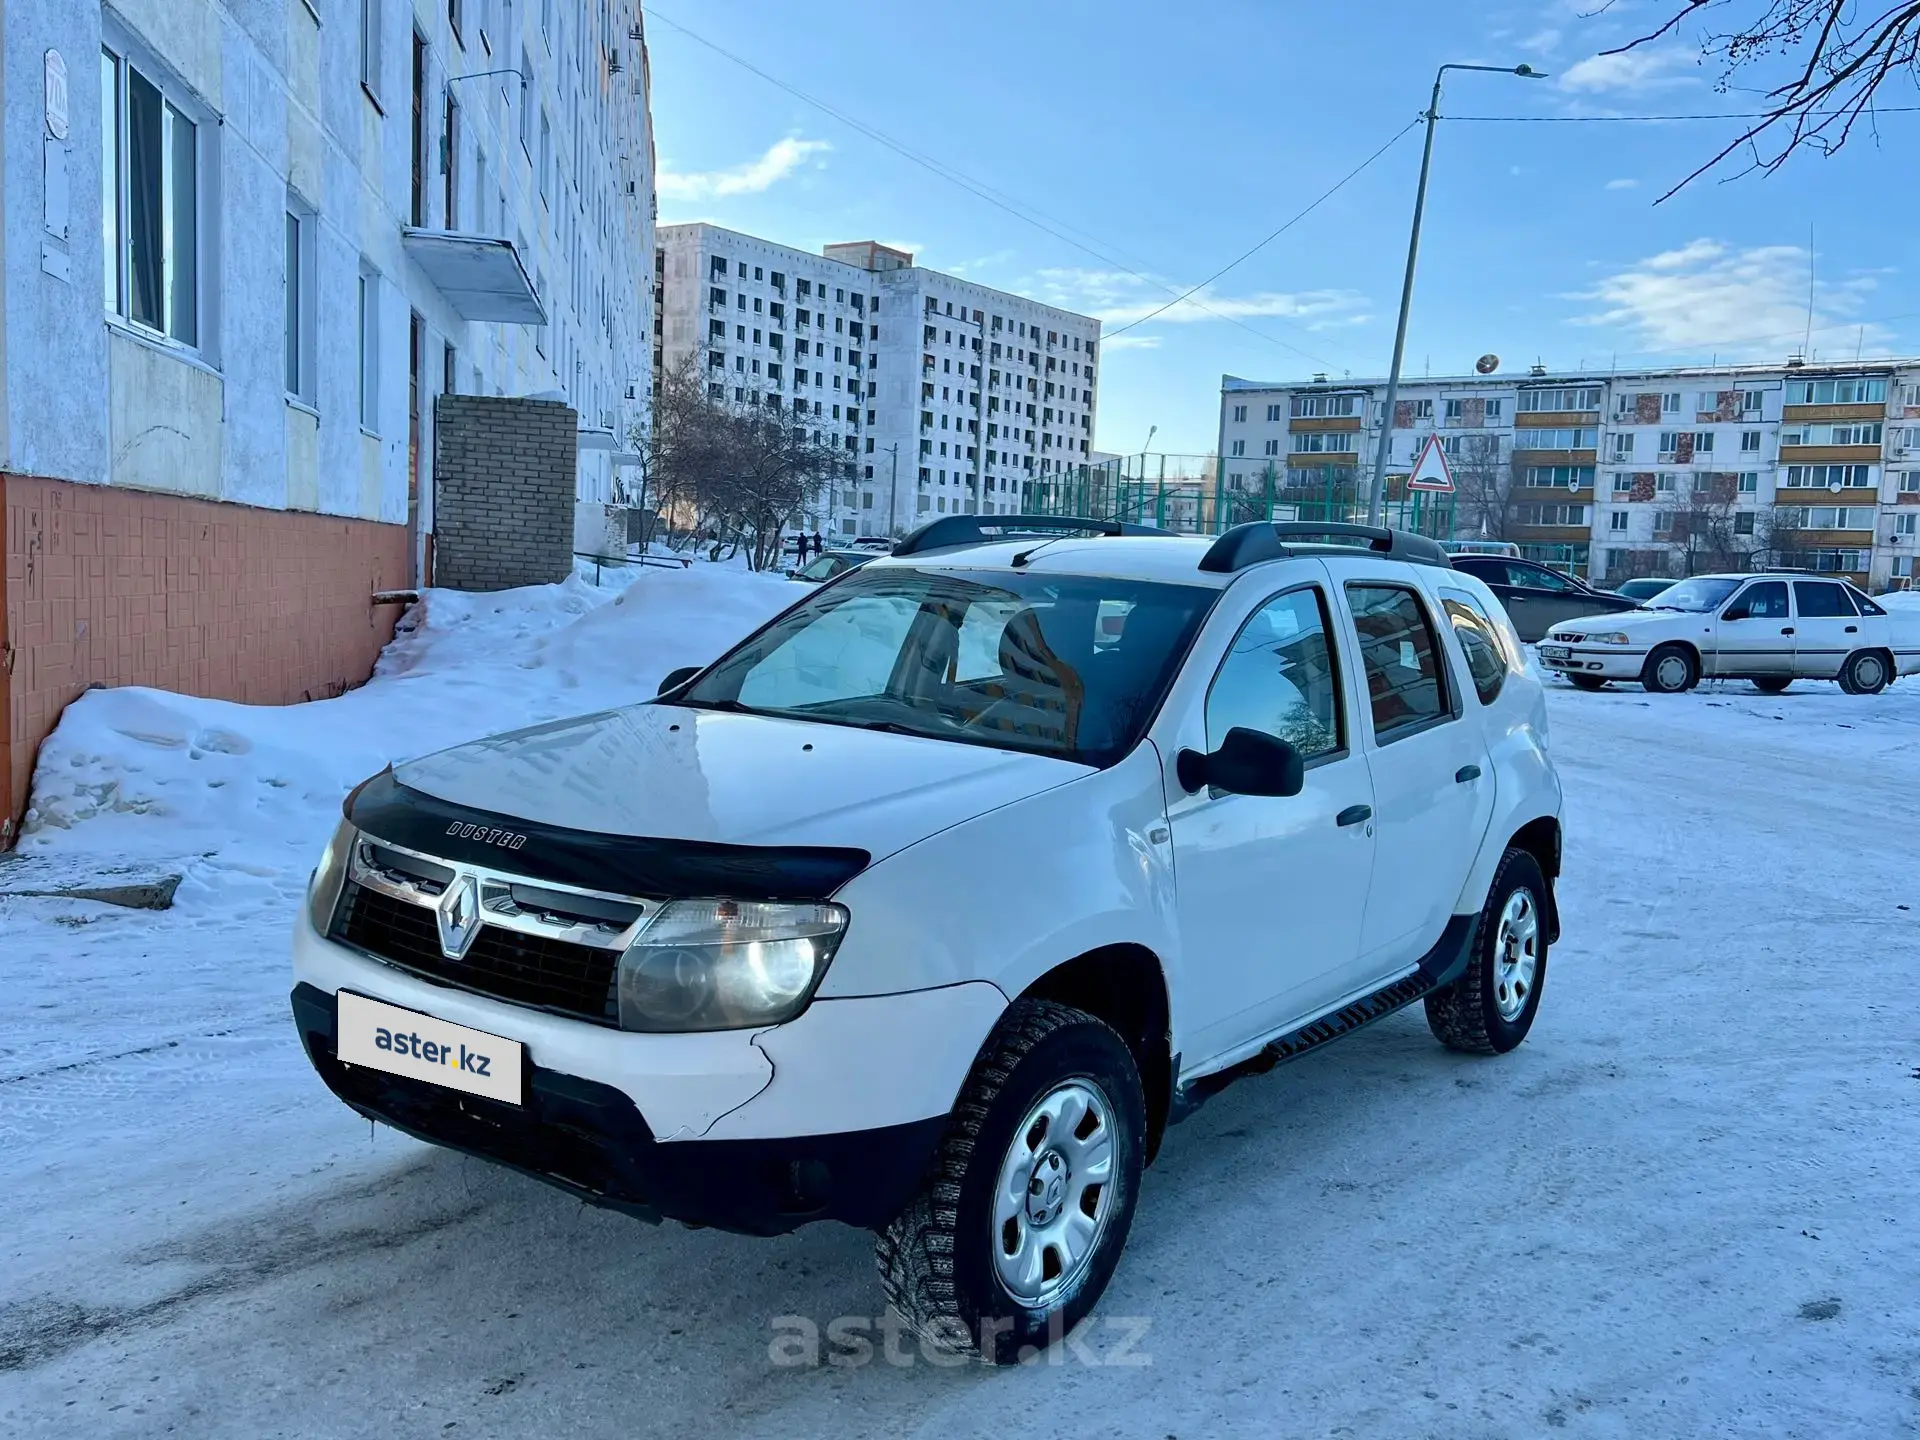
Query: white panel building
(953, 397)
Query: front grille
(508, 964)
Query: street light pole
(893, 486)
(1377, 490)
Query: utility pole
(1377, 490)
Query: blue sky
(1168, 139)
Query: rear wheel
(1772, 684)
(1018, 1228)
(1490, 1008)
(1670, 669)
(1865, 673)
(1588, 682)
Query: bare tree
(1484, 506)
(735, 476)
(1707, 527)
(1818, 65)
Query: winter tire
(1865, 673)
(1669, 670)
(1589, 683)
(1490, 1008)
(1772, 684)
(1027, 1203)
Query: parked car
(832, 564)
(706, 957)
(1481, 547)
(1770, 629)
(1642, 590)
(1538, 598)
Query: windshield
(825, 568)
(1072, 666)
(1699, 594)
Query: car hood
(667, 772)
(1628, 621)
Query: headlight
(726, 964)
(323, 890)
(1612, 637)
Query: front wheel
(1669, 670)
(1490, 1008)
(1865, 673)
(1018, 1228)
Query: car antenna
(1021, 560)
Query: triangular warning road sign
(1430, 472)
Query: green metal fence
(1186, 494)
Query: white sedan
(1770, 629)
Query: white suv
(932, 903)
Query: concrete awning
(480, 275)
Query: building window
(1239, 447)
(1829, 477)
(1904, 524)
(150, 203)
(299, 318)
(370, 48)
(1623, 446)
(1837, 392)
(1273, 447)
(1622, 483)
(1581, 397)
(1910, 482)
(454, 9)
(369, 335)
(1749, 442)
(1239, 414)
(546, 154)
(1317, 407)
(1749, 482)
(1575, 439)
(1868, 433)
(526, 104)
(1617, 521)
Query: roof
(1174, 559)
(1508, 380)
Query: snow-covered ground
(1686, 1207)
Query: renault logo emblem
(459, 917)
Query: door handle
(1786, 629)
(1466, 773)
(1354, 815)
(1853, 629)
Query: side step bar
(1439, 966)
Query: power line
(1249, 253)
(981, 190)
(1664, 119)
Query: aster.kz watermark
(852, 1341)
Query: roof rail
(953, 531)
(1261, 540)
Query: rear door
(1754, 634)
(1542, 598)
(1432, 794)
(1827, 627)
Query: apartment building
(244, 250)
(949, 396)
(1649, 472)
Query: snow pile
(145, 774)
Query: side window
(1487, 659)
(1279, 676)
(1538, 577)
(1399, 657)
(1821, 599)
(1765, 601)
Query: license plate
(420, 1047)
(1554, 652)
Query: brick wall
(121, 587)
(503, 491)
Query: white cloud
(1706, 297)
(1631, 70)
(1623, 184)
(781, 159)
(1134, 341)
(1119, 298)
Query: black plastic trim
(1442, 965)
(590, 1140)
(954, 531)
(622, 864)
(1258, 541)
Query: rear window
(1482, 641)
(1821, 599)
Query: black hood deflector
(620, 864)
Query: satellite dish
(1487, 364)
(1834, 486)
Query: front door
(1754, 635)
(1826, 628)
(1432, 781)
(1272, 889)
(1541, 599)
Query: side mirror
(1248, 762)
(676, 678)
(1736, 612)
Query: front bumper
(1609, 662)
(590, 1140)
